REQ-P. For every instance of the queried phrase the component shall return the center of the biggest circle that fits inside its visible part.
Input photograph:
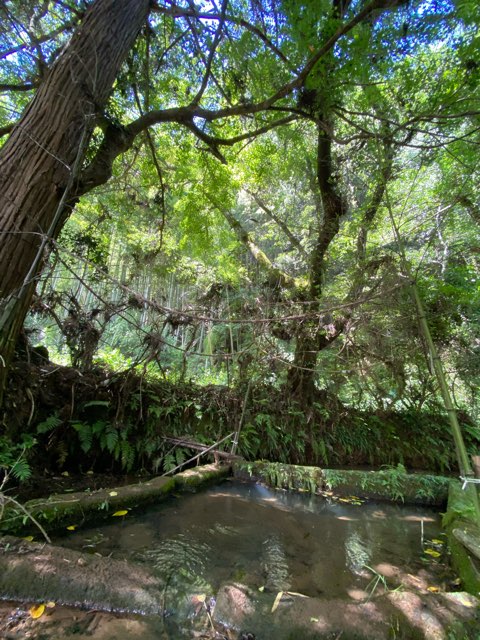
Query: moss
(281, 476)
(389, 484)
(192, 479)
(74, 508)
(461, 514)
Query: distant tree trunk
(37, 160)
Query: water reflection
(266, 539)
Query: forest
(257, 217)
(247, 227)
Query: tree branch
(271, 214)
(28, 86)
(179, 12)
(276, 276)
(45, 38)
(208, 67)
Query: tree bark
(37, 160)
(312, 337)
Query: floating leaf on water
(277, 601)
(113, 493)
(433, 553)
(28, 538)
(72, 527)
(36, 611)
(433, 589)
(50, 604)
(123, 512)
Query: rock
(427, 616)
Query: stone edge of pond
(391, 484)
(74, 509)
(463, 533)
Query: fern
(97, 403)
(99, 426)
(127, 455)
(49, 424)
(109, 439)
(85, 435)
(180, 456)
(169, 462)
(21, 470)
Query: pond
(271, 541)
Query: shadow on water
(268, 541)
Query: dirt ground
(57, 623)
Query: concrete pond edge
(392, 484)
(76, 509)
(24, 580)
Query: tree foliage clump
(243, 194)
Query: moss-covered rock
(200, 476)
(64, 509)
(393, 484)
(463, 531)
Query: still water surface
(267, 539)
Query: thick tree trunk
(37, 161)
(312, 338)
(302, 374)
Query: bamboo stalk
(465, 467)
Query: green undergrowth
(392, 483)
(109, 422)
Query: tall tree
(40, 162)
(207, 64)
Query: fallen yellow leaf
(277, 601)
(433, 553)
(123, 512)
(113, 493)
(90, 473)
(436, 541)
(50, 604)
(433, 589)
(37, 610)
(261, 589)
(65, 474)
(28, 538)
(72, 527)
(199, 598)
